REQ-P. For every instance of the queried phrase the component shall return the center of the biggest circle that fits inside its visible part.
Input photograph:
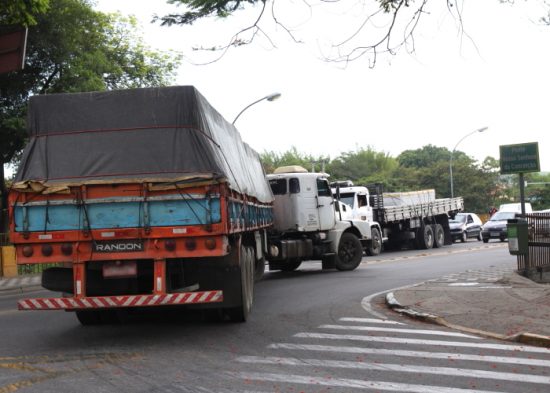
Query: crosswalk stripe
(351, 337)
(351, 383)
(413, 354)
(394, 330)
(448, 371)
(371, 320)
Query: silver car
(465, 226)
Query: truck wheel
(425, 237)
(88, 318)
(439, 236)
(376, 243)
(240, 313)
(350, 252)
(291, 265)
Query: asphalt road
(309, 332)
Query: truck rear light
(47, 250)
(67, 249)
(210, 243)
(190, 244)
(28, 251)
(170, 244)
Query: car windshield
(459, 218)
(500, 216)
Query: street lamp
(452, 152)
(270, 97)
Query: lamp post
(270, 97)
(452, 152)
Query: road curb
(524, 337)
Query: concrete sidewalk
(496, 303)
(20, 283)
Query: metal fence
(539, 243)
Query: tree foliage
(22, 12)
(480, 184)
(272, 160)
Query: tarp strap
(146, 216)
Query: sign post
(520, 158)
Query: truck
(400, 219)
(150, 198)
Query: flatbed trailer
(144, 198)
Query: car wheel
(486, 240)
(464, 237)
(479, 237)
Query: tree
(537, 191)
(364, 166)
(428, 167)
(22, 12)
(375, 27)
(272, 160)
(73, 48)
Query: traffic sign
(520, 158)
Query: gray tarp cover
(153, 134)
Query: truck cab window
(294, 185)
(278, 186)
(323, 188)
(362, 200)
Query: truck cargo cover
(157, 135)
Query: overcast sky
(450, 87)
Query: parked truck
(149, 198)
(400, 219)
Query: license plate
(119, 269)
(118, 246)
(495, 234)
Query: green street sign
(520, 158)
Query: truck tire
(89, 318)
(375, 247)
(241, 312)
(439, 236)
(350, 252)
(98, 317)
(425, 237)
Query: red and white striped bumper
(69, 303)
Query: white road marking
(517, 348)
(414, 354)
(448, 371)
(351, 383)
(372, 320)
(393, 330)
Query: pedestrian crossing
(390, 356)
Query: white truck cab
(303, 201)
(309, 224)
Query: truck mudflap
(104, 302)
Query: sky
(495, 76)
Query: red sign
(12, 49)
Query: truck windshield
(347, 198)
(278, 186)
